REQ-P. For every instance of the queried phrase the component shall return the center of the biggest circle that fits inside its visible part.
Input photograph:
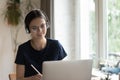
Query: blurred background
(87, 29)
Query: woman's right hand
(20, 69)
(36, 77)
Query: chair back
(12, 76)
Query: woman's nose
(39, 29)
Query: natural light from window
(88, 33)
(114, 29)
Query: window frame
(102, 32)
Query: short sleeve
(62, 52)
(20, 57)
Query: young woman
(38, 49)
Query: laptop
(67, 70)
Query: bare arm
(20, 74)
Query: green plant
(13, 12)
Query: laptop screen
(67, 70)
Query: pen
(36, 70)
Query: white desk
(97, 75)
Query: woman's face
(38, 28)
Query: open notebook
(67, 70)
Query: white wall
(7, 55)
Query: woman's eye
(34, 28)
(43, 25)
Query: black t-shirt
(27, 55)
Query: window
(87, 29)
(91, 27)
(113, 29)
